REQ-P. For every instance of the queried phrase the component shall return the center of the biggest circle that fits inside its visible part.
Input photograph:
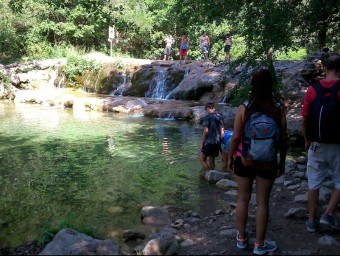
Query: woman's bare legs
(244, 188)
(263, 190)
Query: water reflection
(166, 148)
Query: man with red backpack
(321, 129)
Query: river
(93, 171)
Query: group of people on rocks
(204, 46)
(259, 134)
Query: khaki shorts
(323, 160)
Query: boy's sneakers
(268, 246)
(311, 226)
(330, 220)
(241, 243)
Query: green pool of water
(92, 171)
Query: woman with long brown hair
(261, 101)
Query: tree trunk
(322, 36)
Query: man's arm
(204, 135)
(303, 128)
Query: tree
(322, 22)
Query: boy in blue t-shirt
(212, 135)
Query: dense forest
(34, 29)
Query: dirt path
(290, 234)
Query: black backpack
(323, 118)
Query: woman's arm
(237, 135)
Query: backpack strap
(320, 90)
(335, 88)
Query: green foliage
(6, 81)
(241, 91)
(119, 64)
(45, 29)
(300, 54)
(77, 65)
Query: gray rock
(226, 184)
(293, 187)
(300, 174)
(187, 242)
(70, 242)
(301, 198)
(164, 244)
(132, 235)
(230, 233)
(301, 160)
(155, 216)
(296, 213)
(214, 176)
(328, 241)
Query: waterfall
(53, 78)
(96, 81)
(88, 76)
(121, 87)
(186, 72)
(160, 90)
(61, 81)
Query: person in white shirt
(205, 44)
(169, 40)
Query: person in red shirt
(183, 49)
(322, 154)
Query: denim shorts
(323, 161)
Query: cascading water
(160, 90)
(186, 72)
(61, 81)
(122, 86)
(53, 78)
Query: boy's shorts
(323, 159)
(227, 48)
(211, 149)
(183, 52)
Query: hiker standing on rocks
(205, 44)
(212, 136)
(169, 40)
(321, 126)
(184, 47)
(227, 47)
(257, 164)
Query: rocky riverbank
(183, 232)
